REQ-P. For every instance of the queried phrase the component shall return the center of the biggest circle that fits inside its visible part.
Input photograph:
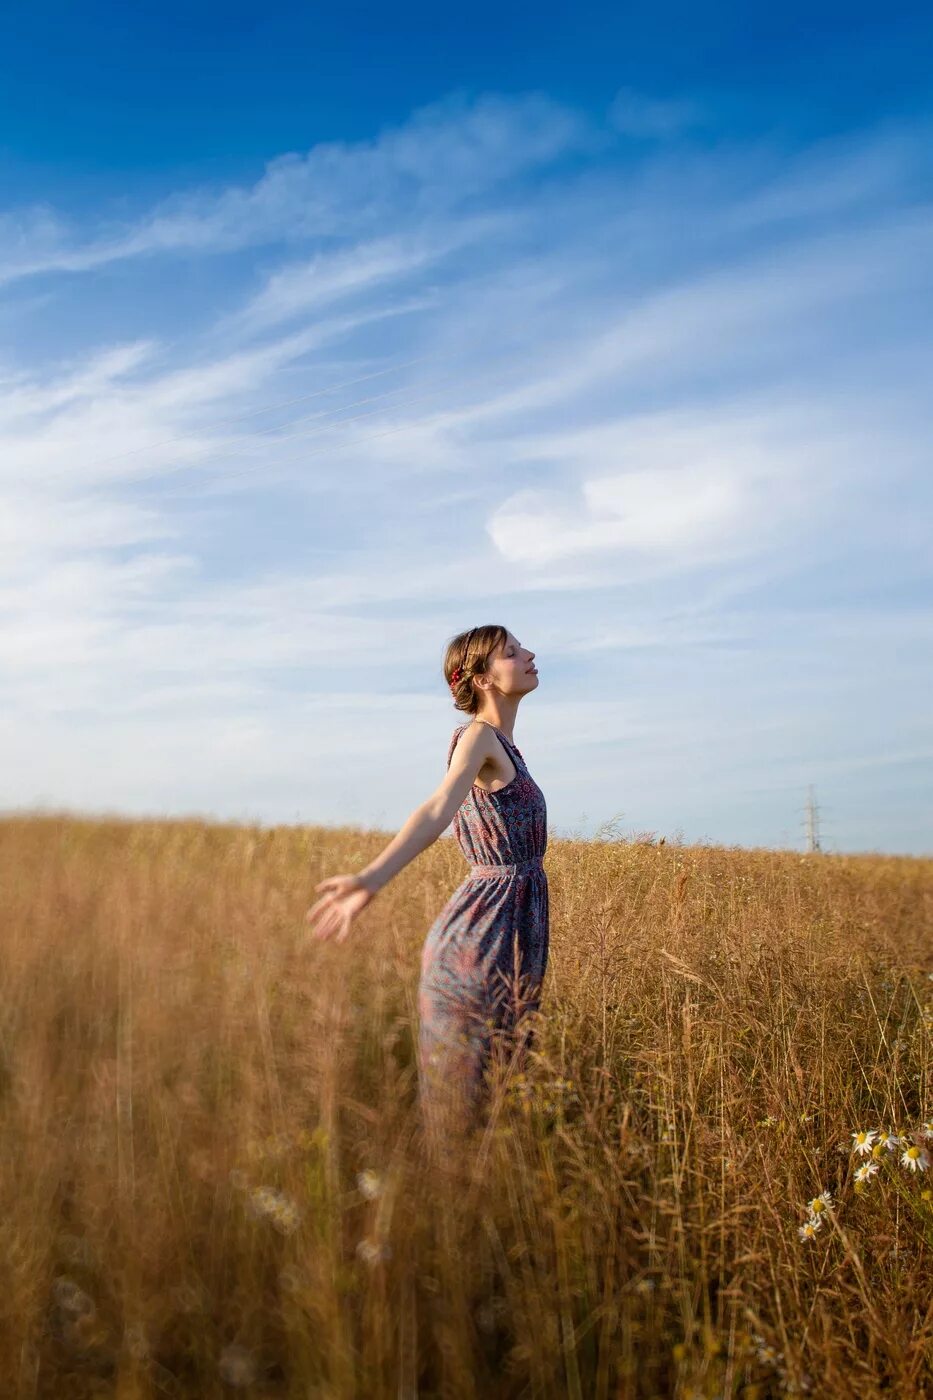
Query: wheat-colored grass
(214, 1182)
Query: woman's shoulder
(478, 733)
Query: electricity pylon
(813, 822)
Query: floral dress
(485, 955)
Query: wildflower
(371, 1251)
(808, 1229)
(769, 1122)
(370, 1183)
(272, 1205)
(769, 1355)
(72, 1299)
(926, 1130)
(824, 1201)
(892, 1141)
(792, 1385)
(237, 1366)
(866, 1172)
(862, 1142)
(916, 1158)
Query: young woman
(485, 955)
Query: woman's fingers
(324, 927)
(333, 913)
(330, 921)
(328, 925)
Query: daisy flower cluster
(265, 1203)
(816, 1214)
(773, 1359)
(873, 1143)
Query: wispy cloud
(443, 156)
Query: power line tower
(812, 822)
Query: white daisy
(371, 1251)
(926, 1130)
(237, 1366)
(916, 1158)
(824, 1201)
(267, 1203)
(370, 1184)
(867, 1171)
(808, 1229)
(862, 1142)
(892, 1140)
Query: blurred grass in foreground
(212, 1175)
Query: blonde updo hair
(471, 652)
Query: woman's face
(512, 667)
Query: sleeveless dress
(485, 955)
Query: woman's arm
(346, 895)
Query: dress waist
(520, 867)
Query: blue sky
(323, 337)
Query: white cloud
(640, 511)
(444, 154)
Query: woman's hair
(471, 652)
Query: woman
(485, 955)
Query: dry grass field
(213, 1181)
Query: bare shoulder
(496, 769)
(476, 739)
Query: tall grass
(213, 1175)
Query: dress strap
(495, 729)
(453, 742)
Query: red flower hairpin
(457, 675)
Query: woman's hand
(335, 911)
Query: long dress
(485, 955)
